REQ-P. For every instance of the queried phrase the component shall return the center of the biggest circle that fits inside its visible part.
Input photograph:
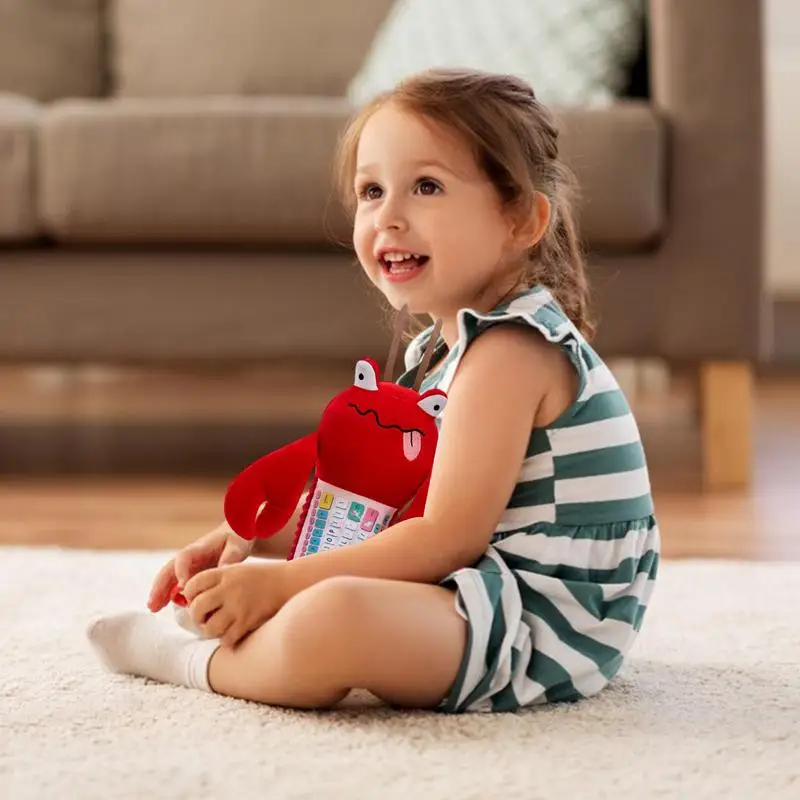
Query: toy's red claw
(177, 598)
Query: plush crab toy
(369, 462)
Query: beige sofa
(166, 194)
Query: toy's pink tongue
(412, 442)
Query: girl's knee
(333, 598)
(321, 616)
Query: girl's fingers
(192, 560)
(230, 555)
(219, 625)
(165, 581)
(204, 605)
(233, 635)
(201, 582)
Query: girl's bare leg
(401, 641)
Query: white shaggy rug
(708, 707)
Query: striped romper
(556, 601)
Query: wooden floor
(140, 510)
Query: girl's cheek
(360, 233)
(361, 222)
(363, 246)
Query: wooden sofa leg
(726, 411)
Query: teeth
(399, 256)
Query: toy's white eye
(433, 404)
(366, 377)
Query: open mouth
(401, 264)
(412, 439)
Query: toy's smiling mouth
(412, 438)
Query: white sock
(139, 643)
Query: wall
(782, 30)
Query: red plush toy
(370, 463)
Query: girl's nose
(390, 217)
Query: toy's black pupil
(361, 376)
(436, 408)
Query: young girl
(527, 578)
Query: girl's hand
(220, 546)
(232, 601)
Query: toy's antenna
(399, 327)
(426, 358)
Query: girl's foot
(139, 643)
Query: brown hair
(515, 141)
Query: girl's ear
(528, 231)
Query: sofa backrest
(51, 49)
(200, 47)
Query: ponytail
(557, 261)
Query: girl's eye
(370, 192)
(427, 186)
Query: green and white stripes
(558, 598)
(552, 617)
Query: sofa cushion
(51, 48)
(203, 47)
(193, 171)
(259, 171)
(18, 117)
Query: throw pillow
(573, 52)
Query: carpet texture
(708, 706)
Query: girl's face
(421, 194)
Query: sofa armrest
(707, 82)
